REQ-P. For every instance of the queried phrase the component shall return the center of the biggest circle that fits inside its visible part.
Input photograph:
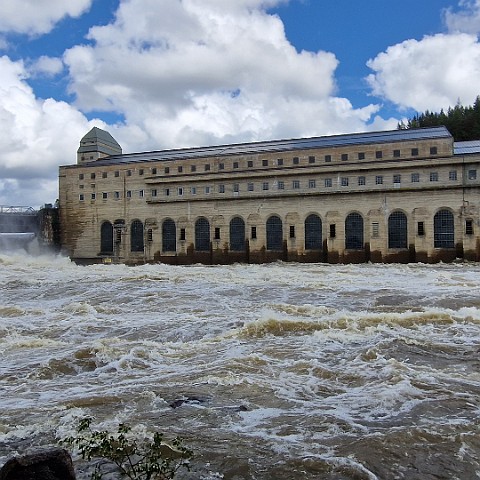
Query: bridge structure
(19, 225)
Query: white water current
(277, 371)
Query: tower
(97, 143)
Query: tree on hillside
(462, 122)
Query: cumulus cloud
(34, 17)
(466, 20)
(203, 71)
(429, 74)
(46, 66)
(36, 136)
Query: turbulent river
(278, 371)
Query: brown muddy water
(279, 371)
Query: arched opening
(354, 232)
(237, 234)
(313, 232)
(106, 238)
(443, 229)
(397, 230)
(274, 233)
(169, 236)
(136, 236)
(202, 235)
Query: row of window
(443, 224)
(280, 185)
(311, 159)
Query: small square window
(472, 174)
(378, 154)
(312, 183)
(328, 182)
(296, 184)
(140, 172)
(105, 195)
(414, 152)
(344, 181)
(433, 151)
(295, 160)
(117, 173)
(167, 192)
(104, 175)
(311, 159)
(208, 189)
(434, 176)
(265, 186)
(81, 176)
(154, 171)
(116, 195)
(280, 185)
(167, 170)
(344, 157)
(221, 166)
(328, 158)
(193, 168)
(180, 169)
(235, 164)
(452, 175)
(154, 192)
(361, 156)
(236, 187)
(92, 176)
(129, 194)
(265, 163)
(250, 187)
(415, 177)
(193, 190)
(207, 167)
(250, 164)
(396, 153)
(361, 180)
(279, 162)
(221, 188)
(129, 173)
(81, 197)
(180, 191)
(379, 180)
(141, 193)
(397, 178)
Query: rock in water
(55, 464)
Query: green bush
(146, 459)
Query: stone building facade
(392, 196)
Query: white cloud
(208, 71)
(36, 136)
(429, 74)
(35, 17)
(467, 20)
(46, 66)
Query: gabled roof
(462, 148)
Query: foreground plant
(146, 459)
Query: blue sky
(168, 73)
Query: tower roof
(98, 140)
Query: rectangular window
(129, 194)
(415, 177)
(311, 159)
(396, 153)
(378, 154)
(296, 184)
(129, 173)
(221, 166)
(150, 235)
(295, 160)
(92, 176)
(167, 170)
(154, 192)
(116, 195)
(180, 169)
(312, 184)
(279, 162)
(375, 229)
(105, 195)
(253, 232)
(265, 186)
(217, 233)
(81, 176)
(140, 172)
(420, 229)
(344, 181)
(328, 182)
(167, 192)
(361, 156)
(182, 234)
(250, 187)
(81, 197)
(333, 232)
(469, 227)
(180, 191)
(472, 174)
(250, 164)
(292, 231)
(265, 163)
(280, 185)
(414, 152)
(221, 188)
(193, 190)
(141, 193)
(397, 178)
(208, 189)
(344, 157)
(361, 180)
(80, 186)
(235, 164)
(328, 158)
(434, 176)
(207, 167)
(154, 171)
(236, 187)
(117, 173)
(452, 175)
(193, 168)
(433, 151)
(379, 180)
(104, 175)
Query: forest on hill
(462, 122)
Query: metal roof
(463, 148)
(280, 145)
